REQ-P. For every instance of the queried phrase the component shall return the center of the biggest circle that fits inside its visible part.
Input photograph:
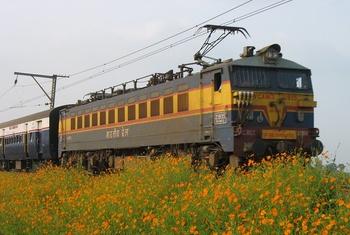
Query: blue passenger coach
(29, 139)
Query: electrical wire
(161, 41)
(7, 91)
(198, 34)
(137, 51)
(256, 12)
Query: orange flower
(324, 232)
(341, 202)
(274, 212)
(193, 230)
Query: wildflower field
(167, 196)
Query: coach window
(217, 81)
(72, 123)
(94, 119)
(168, 105)
(111, 116)
(154, 108)
(121, 114)
(143, 110)
(131, 112)
(103, 118)
(87, 121)
(182, 102)
(80, 122)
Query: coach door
(210, 99)
(25, 139)
(39, 138)
(3, 143)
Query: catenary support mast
(53, 88)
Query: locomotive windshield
(294, 79)
(259, 77)
(251, 77)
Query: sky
(108, 37)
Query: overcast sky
(69, 36)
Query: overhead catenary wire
(172, 45)
(7, 91)
(161, 41)
(258, 11)
(130, 54)
(198, 34)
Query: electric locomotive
(258, 105)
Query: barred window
(251, 77)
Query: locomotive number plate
(279, 134)
(220, 118)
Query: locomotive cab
(273, 104)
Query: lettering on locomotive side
(220, 118)
(248, 132)
(264, 96)
(290, 97)
(279, 134)
(117, 133)
(260, 96)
